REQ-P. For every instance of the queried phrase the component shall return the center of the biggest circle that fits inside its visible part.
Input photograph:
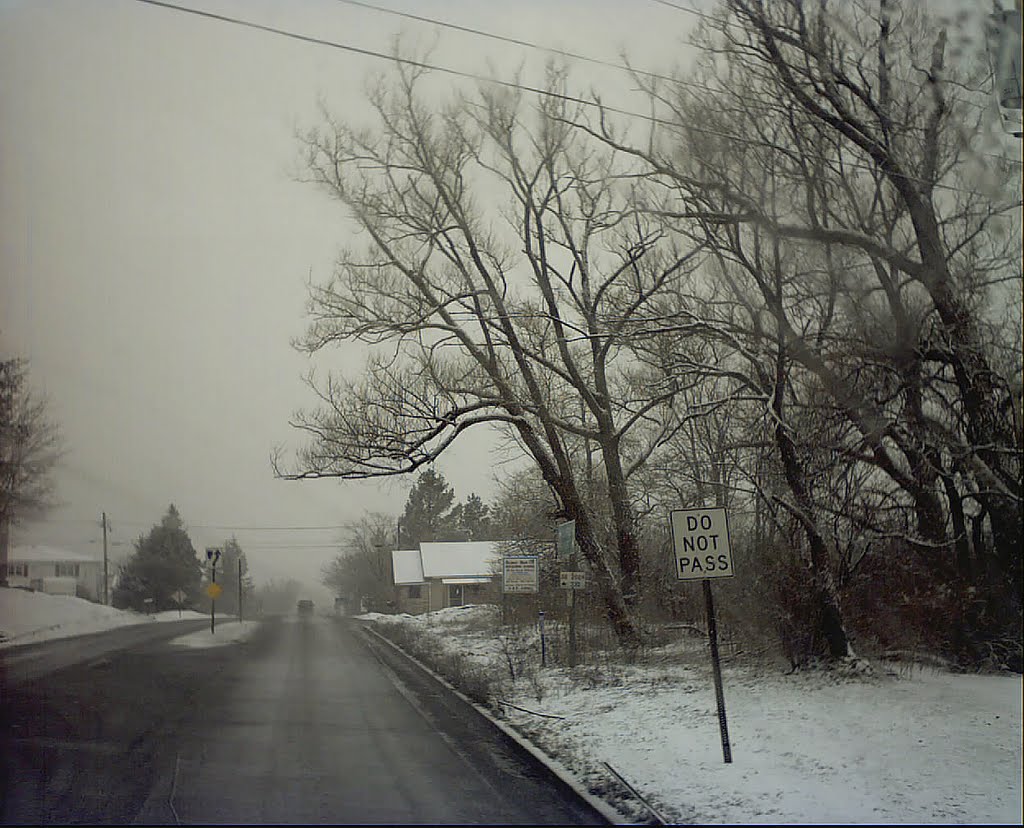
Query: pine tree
(426, 516)
(163, 563)
(474, 519)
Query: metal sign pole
(716, 664)
(213, 601)
(572, 606)
(572, 627)
(543, 643)
(213, 555)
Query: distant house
(450, 574)
(56, 571)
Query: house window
(18, 569)
(414, 592)
(67, 570)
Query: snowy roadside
(231, 631)
(914, 746)
(29, 617)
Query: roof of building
(460, 559)
(407, 566)
(48, 554)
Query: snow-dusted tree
(503, 263)
(362, 570)
(30, 446)
(828, 154)
(163, 563)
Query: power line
(513, 40)
(381, 55)
(518, 42)
(503, 83)
(577, 55)
(686, 9)
(189, 526)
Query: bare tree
(827, 155)
(363, 568)
(502, 268)
(30, 446)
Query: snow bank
(27, 617)
(225, 632)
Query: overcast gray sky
(155, 244)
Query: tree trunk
(621, 614)
(625, 534)
(822, 577)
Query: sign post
(572, 581)
(701, 541)
(565, 549)
(213, 590)
(521, 574)
(179, 599)
(543, 642)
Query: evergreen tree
(163, 563)
(426, 516)
(473, 519)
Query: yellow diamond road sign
(214, 590)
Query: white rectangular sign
(700, 538)
(573, 580)
(520, 574)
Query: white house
(448, 574)
(57, 571)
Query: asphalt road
(308, 722)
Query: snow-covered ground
(913, 746)
(224, 632)
(28, 617)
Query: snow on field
(913, 746)
(27, 617)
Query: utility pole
(106, 578)
(239, 589)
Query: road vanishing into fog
(310, 721)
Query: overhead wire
(686, 9)
(500, 82)
(513, 40)
(235, 528)
(576, 55)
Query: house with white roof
(446, 574)
(55, 570)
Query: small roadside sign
(214, 591)
(573, 580)
(520, 573)
(565, 540)
(179, 597)
(700, 538)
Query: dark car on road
(305, 607)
